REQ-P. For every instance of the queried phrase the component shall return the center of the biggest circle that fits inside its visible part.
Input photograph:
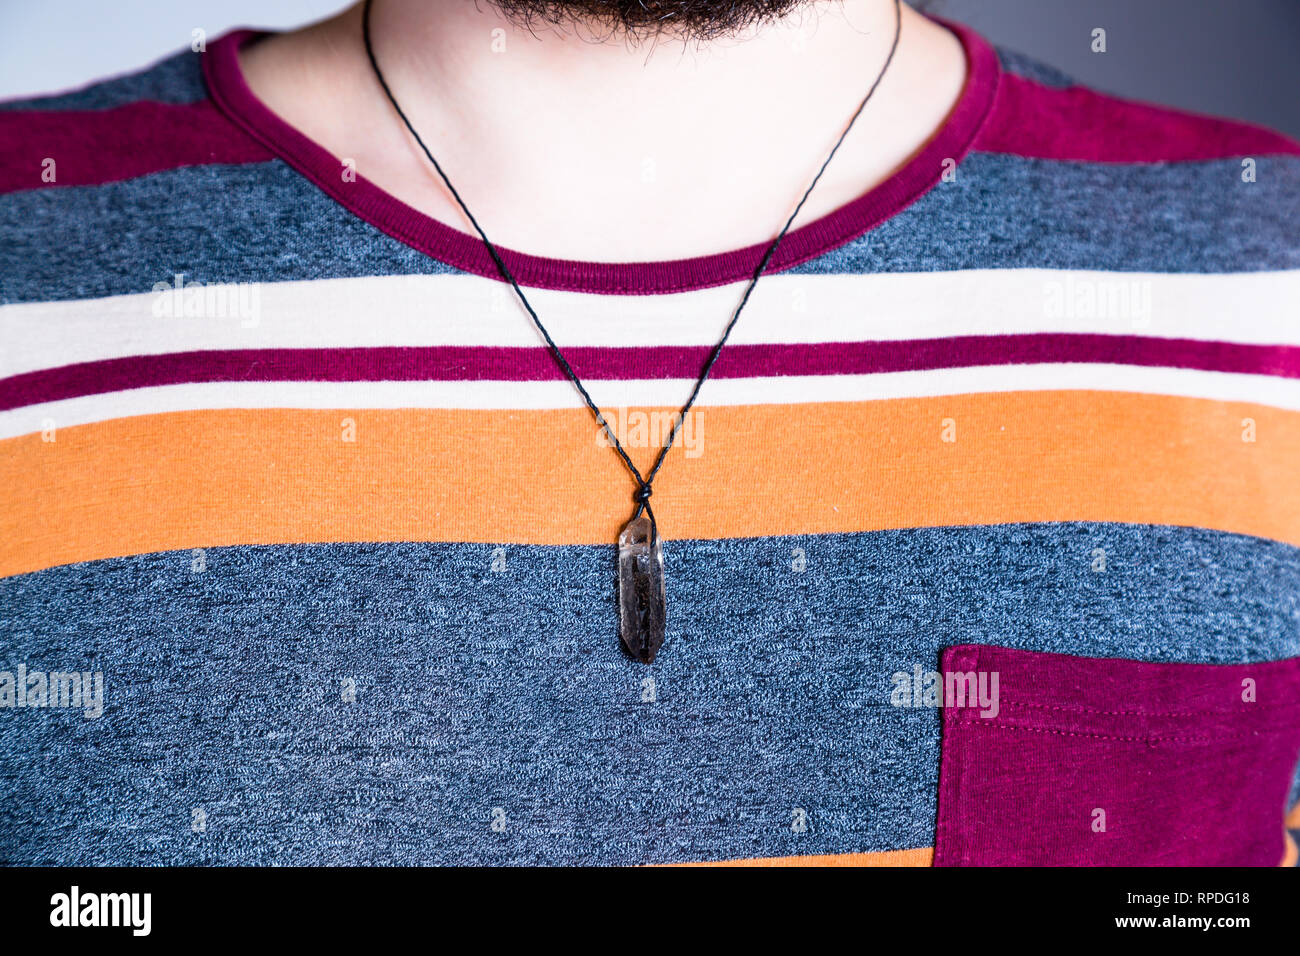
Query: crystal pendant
(642, 607)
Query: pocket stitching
(1031, 728)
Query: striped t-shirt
(982, 542)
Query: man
(979, 544)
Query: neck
(569, 146)
(467, 52)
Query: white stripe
(1257, 307)
(1258, 389)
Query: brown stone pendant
(642, 605)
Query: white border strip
(1258, 307)
(1217, 386)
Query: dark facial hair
(640, 19)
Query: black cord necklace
(641, 590)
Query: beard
(639, 19)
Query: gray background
(1236, 58)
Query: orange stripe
(212, 478)
(1293, 818)
(923, 856)
(1292, 854)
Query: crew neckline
(232, 95)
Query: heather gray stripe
(1012, 212)
(479, 689)
(264, 222)
(249, 223)
(1031, 69)
(177, 79)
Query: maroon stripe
(90, 147)
(1081, 125)
(477, 363)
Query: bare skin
(577, 147)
